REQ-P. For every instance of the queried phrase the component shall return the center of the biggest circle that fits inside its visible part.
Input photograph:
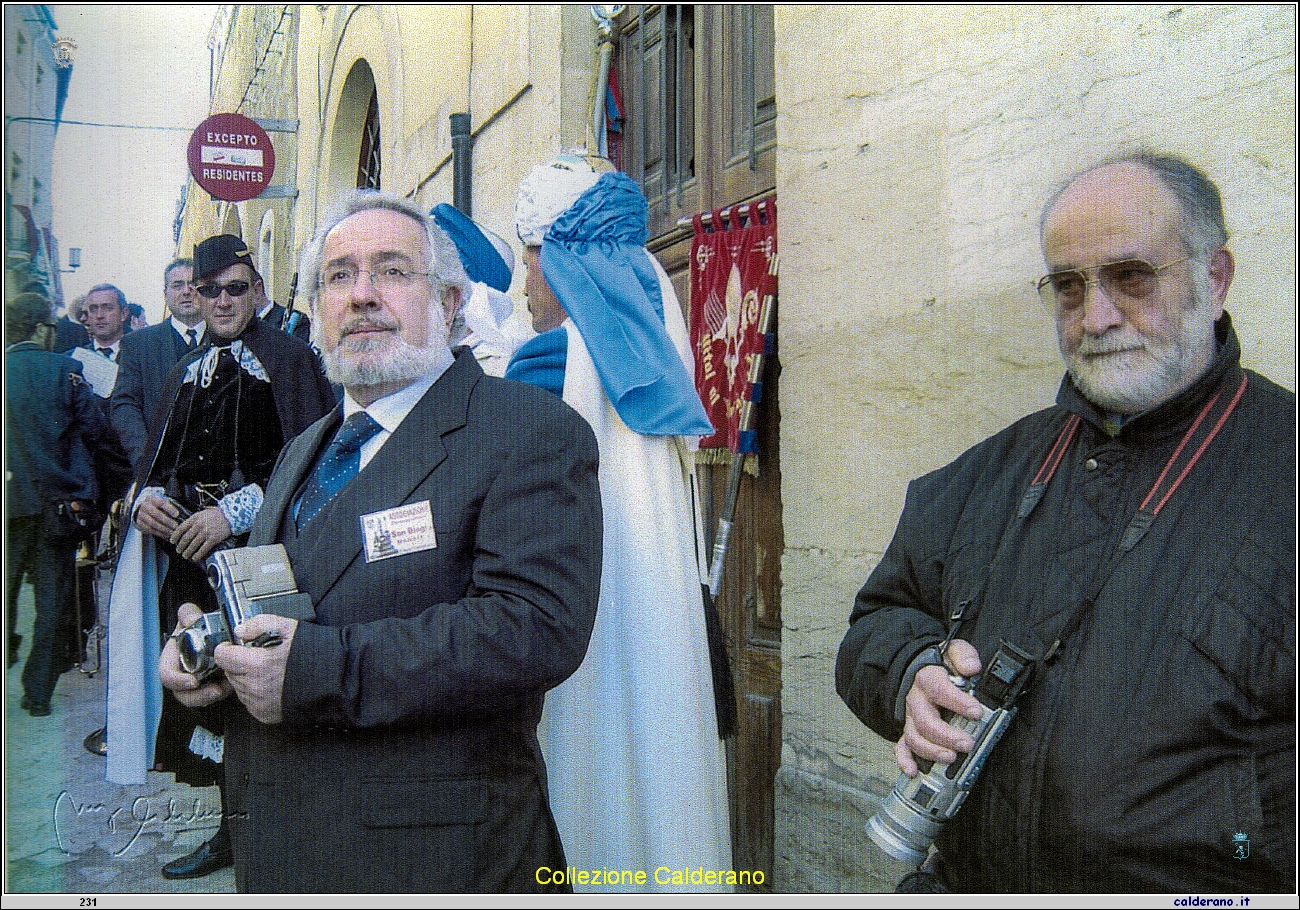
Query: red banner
(733, 290)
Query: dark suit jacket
(408, 756)
(69, 335)
(143, 363)
(53, 429)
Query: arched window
(368, 166)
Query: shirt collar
(181, 328)
(391, 410)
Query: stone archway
(350, 129)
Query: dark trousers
(185, 582)
(50, 565)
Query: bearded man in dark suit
(390, 743)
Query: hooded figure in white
(485, 322)
(637, 771)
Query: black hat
(217, 253)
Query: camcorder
(248, 581)
(915, 811)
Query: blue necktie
(338, 465)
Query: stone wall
(916, 146)
(524, 74)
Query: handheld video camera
(248, 581)
(915, 811)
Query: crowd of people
(502, 665)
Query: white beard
(390, 360)
(1152, 370)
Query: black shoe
(36, 708)
(203, 861)
(97, 742)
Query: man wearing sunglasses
(231, 405)
(1138, 541)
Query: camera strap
(1196, 440)
(1214, 414)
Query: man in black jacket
(231, 407)
(53, 428)
(1138, 540)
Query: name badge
(396, 532)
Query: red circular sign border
(225, 189)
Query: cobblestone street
(70, 831)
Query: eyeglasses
(391, 277)
(234, 289)
(1128, 279)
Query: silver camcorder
(915, 811)
(248, 581)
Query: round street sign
(231, 157)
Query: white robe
(638, 778)
(134, 703)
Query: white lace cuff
(241, 507)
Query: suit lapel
(406, 460)
(166, 352)
(289, 475)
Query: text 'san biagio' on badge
(396, 532)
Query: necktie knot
(356, 431)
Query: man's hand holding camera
(925, 733)
(255, 675)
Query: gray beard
(1162, 368)
(402, 363)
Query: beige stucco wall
(524, 73)
(910, 174)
